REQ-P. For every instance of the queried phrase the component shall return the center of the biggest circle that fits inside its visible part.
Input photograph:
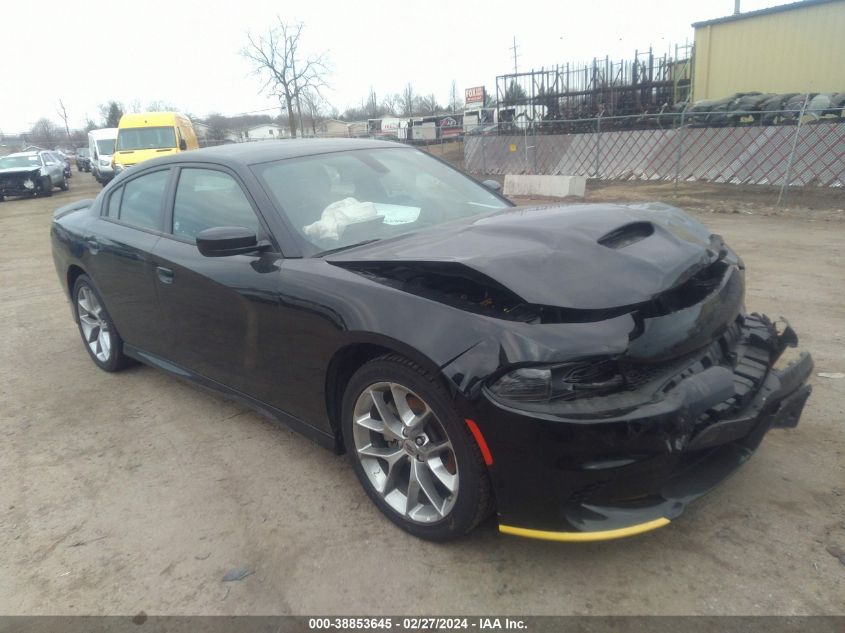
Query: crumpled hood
(585, 256)
(12, 171)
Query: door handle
(165, 275)
(93, 244)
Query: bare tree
(160, 106)
(392, 104)
(277, 58)
(111, 113)
(429, 105)
(372, 104)
(62, 111)
(219, 127)
(314, 105)
(408, 100)
(455, 101)
(45, 133)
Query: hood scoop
(627, 235)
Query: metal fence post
(679, 153)
(598, 143)
(534, 129)
(788, 176)
(483, 163)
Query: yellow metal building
(798, 47)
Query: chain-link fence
(787, 148)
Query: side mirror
(222, 241)
(182, 144)
(492, 185)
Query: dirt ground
(135, 491)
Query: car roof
(255, 152)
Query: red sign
(474, 96)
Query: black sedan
(584, 371)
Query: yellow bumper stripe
(604, 535)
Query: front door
(222, 312)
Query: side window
(141, 201)
(113, 210)
(206, 198)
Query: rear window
(141, 201)
(146, 138)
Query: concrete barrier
(551, 186)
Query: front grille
(745, 348)
(671, 372)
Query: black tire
(65, 185)
(46, 186)
(473, 501)
(116, 359)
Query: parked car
(83, 159)
(31, 173)
(65, 160)
(586, 370)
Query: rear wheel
(65, 185)
(412, 453)
(99, 335)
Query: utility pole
(513, 48)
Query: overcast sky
(187, 53)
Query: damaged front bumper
(613, 466)
(20, 184)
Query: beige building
(798, 47)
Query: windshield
(82, 151)
(341, 199)
(19, 161)
(146, 138)
(106, 146)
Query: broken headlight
(566, 381)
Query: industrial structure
(798, 47)
(780, 51)
(645, 83)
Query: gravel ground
(136, 491)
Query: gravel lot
(135, 491)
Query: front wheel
(413, 454)
(99, 335)
(47, 187)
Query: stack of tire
(755, 108)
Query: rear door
(119, 259)
(222, 312)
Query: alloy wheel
(95, 327)
(405, 452)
